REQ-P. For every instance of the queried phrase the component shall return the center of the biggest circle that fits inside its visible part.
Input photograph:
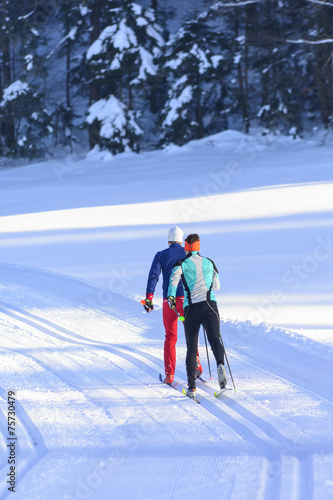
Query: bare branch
(222, 5)
(323, 2)
(234, 4)
(310, 42)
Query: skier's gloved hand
(171, 302)
(148, 304)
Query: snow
(76, 243)
(98, 46)
(14, 90)
(83, 10)
(124, 37)
(176, 103)
(237, 58)
(322, 2)
(137, 9)
(111, 113)
(153, 33)
(263, 109)
(312, 42)
(216, 60)
(141, 21)
(29, 61)
(21, 142)
(175, 63)
(147, 66)
(71, 35)
(199, 54)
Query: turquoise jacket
(199, 276)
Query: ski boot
(169, 379)
(191, 393)
(222, 376)
(198, 370)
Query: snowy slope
(265, 208)
(93, 421)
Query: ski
(173, 385)
(193, 399)
(202, 380)
(218, 394)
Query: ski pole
(143, 303)
(226, 357)
(210, 373)
(181, 318)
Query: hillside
(92, 418)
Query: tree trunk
(69, 113)
(323, 65)
(242, 81)
(324, 83)
(68, 82)
(154, 5)
(94, 90)
(201, 130)
(250, 36)
(7, 125)
(8, 128)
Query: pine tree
(236, 26)
(193, 68)
(32, 121)
(122, 59)
(74, 18)
(7, 122)
(322, 30)
(280, 68)
(24, 120)
(96, 11)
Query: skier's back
(200, 277)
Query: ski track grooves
(31, 453)
(256, 431)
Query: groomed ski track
(277, 427)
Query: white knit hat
(175, 234)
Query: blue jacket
(164, 261)
(199, 276)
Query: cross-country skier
(164, 261)
(199, 276)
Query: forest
(131, 76)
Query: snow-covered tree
(22, 115)
(321, 36)
(193, 68)
(280, 69)
(122, 59)
(32, 122)
(118, 127)
(74, 18)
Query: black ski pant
(206, 314)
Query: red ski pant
(170, 321)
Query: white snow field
(92, 420)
